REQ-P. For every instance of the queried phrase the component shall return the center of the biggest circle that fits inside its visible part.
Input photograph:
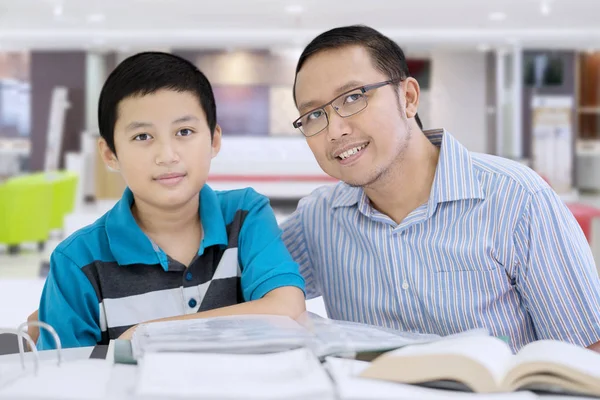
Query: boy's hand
(33, 330)
(128, 333)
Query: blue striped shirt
(494, 247)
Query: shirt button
(405, 285)
(188, 276)
(192, 303)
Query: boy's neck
(156, 222)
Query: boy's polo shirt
(110, 275)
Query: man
(421, 234)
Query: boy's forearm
(286, 301)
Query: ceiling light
(545, 8)
(497, 16)
(294, 9)
(58, 10)
(96, 17)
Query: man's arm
(294, 237)
(555, 272)
(595, 347)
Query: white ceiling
(418, 24)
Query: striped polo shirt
(110, 276)
(493, 247)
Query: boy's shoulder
(87, 244)
(239, 200)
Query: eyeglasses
(345, 105)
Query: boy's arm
(286, 301)
(70, 305)
(271, 282)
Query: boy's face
(163, 147)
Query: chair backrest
(25, 205)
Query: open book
(256, 334)
(486, 365)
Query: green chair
(64, 191)
(25, 209)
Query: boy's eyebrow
(187, 118)
(137, 125)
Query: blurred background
(515, 78)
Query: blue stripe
(494, 248)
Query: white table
(124, 376)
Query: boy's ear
(109, 158)
(216, 141)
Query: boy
(171, 248)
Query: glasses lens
(350, 103)
(313, 122)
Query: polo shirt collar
(130, 245)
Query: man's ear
(109, 158)
(412, 92)
(216, 141)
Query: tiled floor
(21, 283)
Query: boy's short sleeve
(265, 261)
(70, 305)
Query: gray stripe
(222, 293)
(111, 281)
(234, 228)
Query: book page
(295, 374)
(556, 353)
(237, 334)
(81, 380)
(338, 337)
(351, 387)
(492, 353)
(567, 354)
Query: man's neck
(167, 222)
(408, 184)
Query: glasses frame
(364, 89)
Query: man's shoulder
(87, 244)
(501, 171)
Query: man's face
(379, 132)
(163, 147)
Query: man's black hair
(146, 73)
(386, 55)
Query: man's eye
(314, 115)
(352, 98)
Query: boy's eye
(142, 137)
(185, 132)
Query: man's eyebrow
(344, 88)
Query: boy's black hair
(146, 73)
(386, 55)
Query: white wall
(95, 77)
(457, 99)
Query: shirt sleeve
(294, 237)
(70, 305)
(265, 261)
(556, 274)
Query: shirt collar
(455, 178)
(130, 245)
